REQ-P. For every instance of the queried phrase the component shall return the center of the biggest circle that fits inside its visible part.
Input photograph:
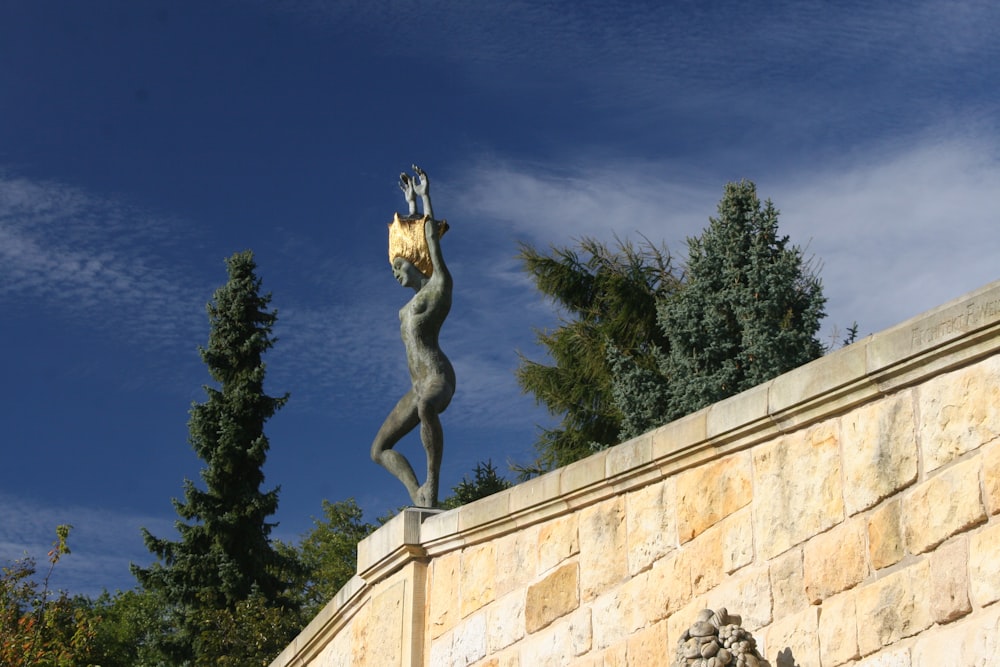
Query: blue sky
(142, 143)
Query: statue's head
(407, 274)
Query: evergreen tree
(749, 310)
(224, 555)
(610, 298)
(485, 482)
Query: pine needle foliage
(224, 555)
(608, 299)
(749, 310)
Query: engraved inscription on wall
(976, 313)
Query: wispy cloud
(102, 542)
(917, 221)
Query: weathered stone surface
(949, 588)
(469, 640)
(895, 607)
(704, 559)
(651, 525)
(971, 641)
(991, 477)
(479, 575)
(558, 540)
(788, 589)
(888, 658)
(946, 504)
(385, 635)
(885, 535)
(984, 565)
(443, 612)
(959, 411)
(505, 622)
(838, 630)
(748, 595)
(880, 451)
(737, 541)
(559, 644)
(648, 646)
(554, 596)
(790, 507)
(835, 561)
(665, 588)
(708, 493)
(517, 559)
(603, 553)
(795, 638)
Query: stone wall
(849, 511)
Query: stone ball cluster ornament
(717, 640)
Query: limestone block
(972, 641)
(385, 636)
(710, 492)
(616, 656)
(835, 560)
(704, 559)
(517, 559)
(793, 639)
(479, 575)
(558, 540)
(894, 607)
(991, 477)
(959, 412)
(665, 588)
(984, 565)
(788, 590)
(554, 596)
(603, 553)
(747, 595)
(737, 541)
(838, 630)
(622, 611)
(443, 584)
(879, 450)
(946, 504)
(648, 646)
(797, 488)
(441, 652)
(469, 640)
(650, 526)
(949, 588)
(505, 622)
(559, 644)
(889, 658)
(885, 535)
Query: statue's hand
(406, 185)
(420, 186)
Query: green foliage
(38, 628)
(609, 297)
(127, 627)
(224, 555)
(328, 554)
(749, 310)
(485, 482)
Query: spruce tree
(609, 299)
(224, 554)
(749, 310)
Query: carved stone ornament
(717, 640)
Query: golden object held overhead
(407, 240)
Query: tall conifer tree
(609, 297)
(224, 555)
(749, 310)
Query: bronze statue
(415, 254)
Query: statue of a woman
(431, 373)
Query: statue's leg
(432, 436)
(401, 420)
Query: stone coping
(950, 336)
